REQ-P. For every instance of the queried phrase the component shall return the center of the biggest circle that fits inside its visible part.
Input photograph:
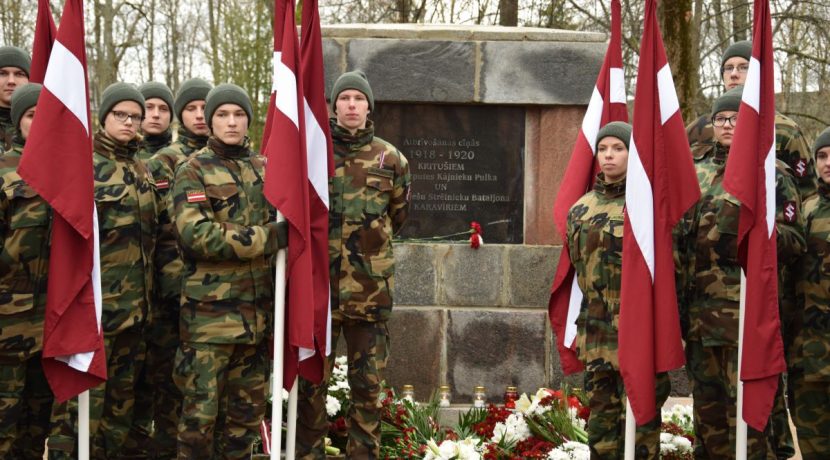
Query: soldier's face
(734, 72)
(612, 155)
(193, 118)
(230, 124)
(823, 164)
(123, 131)
(10, 79)
(156, 116)
(724, 134)
(26, 122)
(352, 109)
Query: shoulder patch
(162, 184)
(800, 167)
(196, 197)
(790, 211)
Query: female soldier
(595, 239)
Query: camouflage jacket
(369, 203)
(125, 198)
(595, 239)
(811, 350)
(24, 260)
(709, 309)
(226, 232)
(152, 144)
(168, 263)
(6, 129)
(790, 147)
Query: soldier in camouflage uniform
(125, 200)
(368, 204)
(227, 233)
(161, 398)
(710, 304)
(25, 217)
(14, 72)
(158, 109)
(595, 238)
(809, 357)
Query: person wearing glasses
(711, 291)
(125, 201)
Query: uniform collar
(190, 139)
(155, 142)
(111, 149)
(610, 190)
(361, 137)
(823, 189)
(229, 151)
(6, 114)
(720, 152)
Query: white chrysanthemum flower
(672, 443)
(341, 361)
(332, 405)
(571, 450)
(576, 421)
(514, 429)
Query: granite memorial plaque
(466, 164)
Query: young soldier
(227, 233)
(809, 374)
(25, 397)
(14, 72)
(125, 201)
(369, 203)
(158, 109)
(163, 336)
(595, 235)
(713, 292)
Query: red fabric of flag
(750, 177)
(57, 163)
(661, 185)
(607, 104)
(45, 33)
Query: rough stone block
(414, 274)
(557, 378)
(531, 273)
(495, 349)
(471, 277)
(539, 73)
(417, 345)
(416, 70)
(680, 385)
(333, 60)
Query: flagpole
(291, 435)
(740, 426)
(83, 425)
(279, 335)
(630, 431)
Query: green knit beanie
(12, 56)
(227, 93)
(352, 80)
(194, 89)
(153, 89)
(823, 140)
(618, 129)
(742, 49)
(730, 100)
(23, 99)
(116, 93)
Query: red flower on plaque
(475, 235)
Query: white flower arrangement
(513, 430)
(680, 414)
(578, 422)
(468, 449)
(673, 443)
(332, 405)
(528, 406)
(571, 450)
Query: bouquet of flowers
(677, 433)
(338, 401)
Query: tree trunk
(509, 13)
(740, 19)
(677, 26)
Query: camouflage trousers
(606, 424)
(713, 373)
(367, 349)
(780, 436)
(25, 406)
(223, 388)
(811, 415)
(157, 399)
(110, 404)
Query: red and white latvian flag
(607, 104)
(661, 185)
(57, 163)
(320, 160)
(45, 33)
(750, 177)
(287, 187)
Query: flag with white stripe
(661, 185)
(57, 163)
(750, 177)
(607, 104)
